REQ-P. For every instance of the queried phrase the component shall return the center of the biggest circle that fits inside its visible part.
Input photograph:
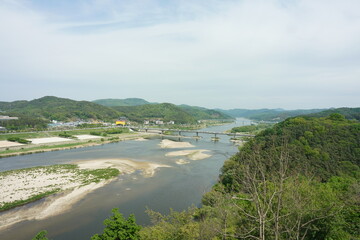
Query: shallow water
(177, 187)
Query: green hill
(268, 114)
(349, 113)
(121, 102)
(201, 113)
(62, 109)
(164, 111)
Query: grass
(34, 198)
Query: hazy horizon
(252, 54)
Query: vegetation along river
(178, 186)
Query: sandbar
(197, 154)
(53, 205)
(141, 139)
(126, 166)
(4, 144)
(181, 162)
(86, 137)
(48, 140)
(172, 144)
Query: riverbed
(178, 186)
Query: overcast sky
(213, 53)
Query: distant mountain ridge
(110, 102)
(197, 113)
(164, 111)
(63, 109)
(349, 113)
(268, 114)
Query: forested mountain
(204, 113)
(165, 111)
(297, 180)
(268, 114)
(62, 109)
(121, 102)
(349, 113)
(199, 113)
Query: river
(177, 187)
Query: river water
(177, 187)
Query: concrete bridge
(197, 132)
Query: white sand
(141, 139)
(21, 186)
(86, 137)
(172, 144)
(197, 154)
(124, 165)
(4, 144)
(182, 161)
(53, 205)
(48, 140)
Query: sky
(291, 54)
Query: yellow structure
(120, 122)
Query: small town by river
(178, 186)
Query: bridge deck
(193, 131)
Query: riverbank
(23, 149)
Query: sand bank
(86, 137)
(5, 144)
(182, 161)
(141, 139)
(48, 140)
(197, 154)
(25, 184)
(124, 165)
(52, 205)
(172, 144)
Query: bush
(65, 135)
(19, 140)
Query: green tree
(41, 235)
(118, 228)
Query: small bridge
(197, 132)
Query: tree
(118, 228)
(41, 235)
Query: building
(121, 121)
(2, 129)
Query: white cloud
(259, 49)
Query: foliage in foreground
(41, 236)
(119, 228)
